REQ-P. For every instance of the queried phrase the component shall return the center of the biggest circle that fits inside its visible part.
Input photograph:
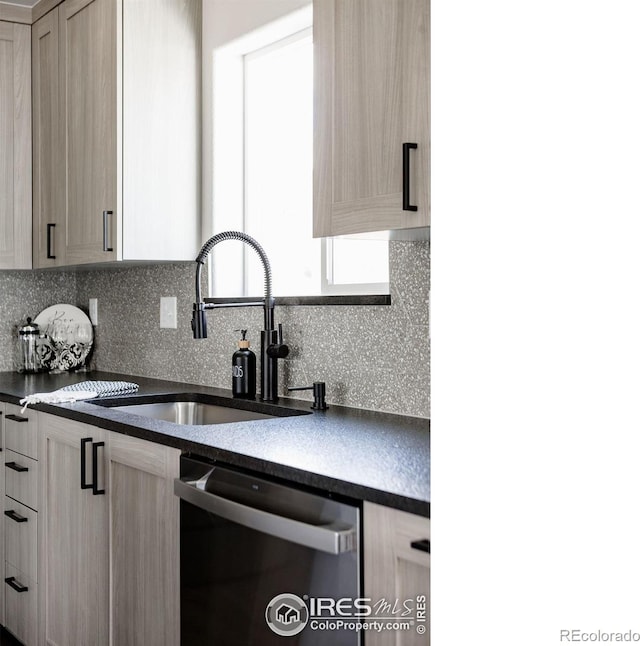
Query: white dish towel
(79, 391)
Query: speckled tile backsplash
(27, 293)
(374, 357)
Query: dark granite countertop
(362, 454)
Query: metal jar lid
(29, 328)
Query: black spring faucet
(272, 347)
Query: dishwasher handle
(333, 538)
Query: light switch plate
(168, 312)
(93, 310)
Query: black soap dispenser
(243, 370)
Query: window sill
(349, 299)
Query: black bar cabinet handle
(14, 516)
(50, 227)
(424, 545)
(96, 491)
(105, 231)
(83, 463)
(16, 585)
(17, 418)
(14, 466)
(406, 178)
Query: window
(263, 171)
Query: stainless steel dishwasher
(261, 561)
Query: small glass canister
(28, 335)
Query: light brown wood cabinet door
(74, 538)
(2, 575)
(396, 571)
(15, 146)
(88, 104)
(48, 178)
(145, 531)
(371, 96)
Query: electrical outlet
(93, 310)
(168, 312)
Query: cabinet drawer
(21, 431)
(21, 594)
(21, 537)
(21, 478)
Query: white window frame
(230, 212)
(329, 288)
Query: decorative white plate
(66, 336)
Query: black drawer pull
(406, 177)
(106, 231)
(14, 516)
(83, 463)
(14, 466)
(17, 418)
(50, 227)
(424, 545)
(96, 491)
(16, 585)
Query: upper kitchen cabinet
(371, 122)
(119, 177)
(88, 106)
(15, 146)
(47, 171)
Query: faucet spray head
(199, 321)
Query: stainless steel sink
(190, 412)
(196, 408)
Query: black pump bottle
(243, 370)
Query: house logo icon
(286, 614)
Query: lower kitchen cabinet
(108, 548)
(20, 517)
(1, 519)
(145, 535)
(397, 567)
(74, 540)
